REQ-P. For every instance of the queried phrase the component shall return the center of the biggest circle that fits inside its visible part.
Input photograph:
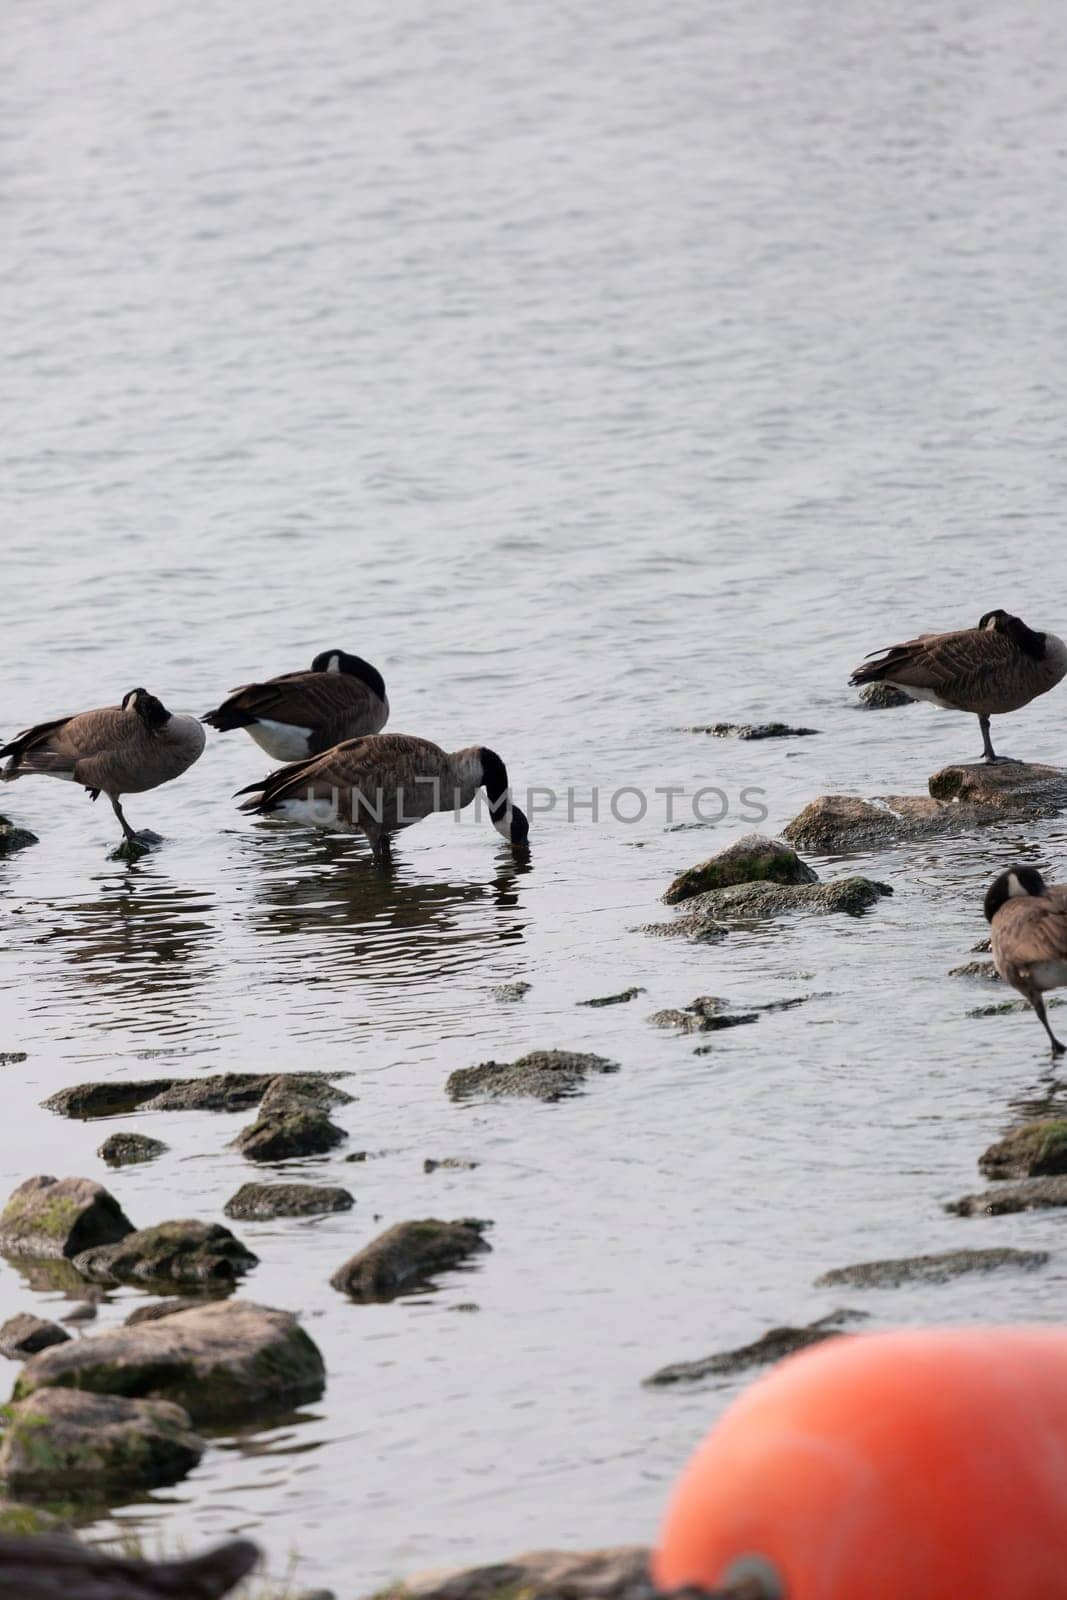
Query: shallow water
(594, 373)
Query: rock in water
(257, 1202)
(752, 730)
(13, 838)
(940, 1268)
(772, 1346)
(126, 1149)
(54, 1217)
(61, 1441)
(222, 1091)
(705, 1014)
(1036, 1150)
(751, 859)
(186, 1251)
(619, 999)
(746, 902)
(25, 1334)
(52, 1567)
(227, 1360)
(881, 696)
(407, 1256)
(1032, 1194)
(618, 1574)
(543, 1075)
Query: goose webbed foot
(1002, 761)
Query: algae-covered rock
(13, 838)
(705, 1014)
(282, 1134)
(408, 1256)
(510, 992)
(941, 1268)
(751, 859)
(288, 1091)
(752, 730)
(1031, 1194)
(184, 1251)
(55, 1217)
(1034, 1150)
(221, 1091)
(984, 971)
(62, 1441)
(448, 1164)
(619, 999)
(748, 901)
(127, 1149)
(542, 1074)
(771, 1346)
(257, 1202)
(23, 1335)
(614, 1574)
(882, 696)
(222, 1361)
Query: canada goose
(116, 750)
(383, 782)
(1028, 921)
(304, 713)
(989, 670)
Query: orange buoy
(925, 1464)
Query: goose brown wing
(318, 700)
(1030, 928)
(58, 746)
(964, 664)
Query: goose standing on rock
(990, 670)
(305, 713)
(1028, 934)
(116, 750)
(384, 782)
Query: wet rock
(287, 1090)
(225, 1091)
(125, 1149)
(699, 929)
(23, 1335)
(772, 1346)
(257, 1202)
(510, 991)
(751, 859)
(222, 1361)
(54, 1217)
(881, 696)
(52, 1567)
(1031, 1194)
(985, 971)
(1011, 789)
(1006, 1008)
(615, 1574)
(453, 1163)
(161, 1309)
(982, 947)
(745, 901)
(619, 999)
(12, 1058)
(185, 1251)
(408, 1256)
(13, 838)
(752, 730)
(289, 1128)
(543, 1074)
(705, 1014)
(1035, 1150)
(928, 1269)
(64, 1442)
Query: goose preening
(305, 713)
(116, 750)
(383, 782)
(990, 670)
(1028, 933)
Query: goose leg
(1039, 1006)
(141, 840)
(988, 753)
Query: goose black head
(511, 823)
(152, 712)
(352, 667)
(1010, 885)
(1025, 639)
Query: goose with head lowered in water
(1028, 934)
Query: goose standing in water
(990, 670)
(384, 782)
(304, 713)
(1028, 933)
(116, 750)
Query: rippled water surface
(595, 371)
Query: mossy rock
(99, 1446)
(752, 859)
(408, 1256)
(258, 1202)
(13, 838)
(542, 1075)
(288, 1132)
(128, 1149)
(60, 1217)
(1034, 1150)
(23, 1335)
(221, 1091)
(185, 1251)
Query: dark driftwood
(51, 1567)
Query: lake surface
(595, 372)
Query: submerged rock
(751, 859)
(940, 1268)
(408, 1256)
(222, 1361)
(772, 1346)
(698, 928)
(1031, 1194)
(616, 1574)
(257, 1202)
(983, 970)
(64, 1442)
(223, 1091)
(452, 1163)
(289, 1129)
(125, 1149)
(542, 1074)
(13, 838)
(752, 730)
(510, 991)
(745, 901)
(880, 696)
(23, 1335)
(619, 999)
(12, 1058)
(705, 1014)
(52, 1566)
(181, 1252)
(1035, 1150)
(53, 1217)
